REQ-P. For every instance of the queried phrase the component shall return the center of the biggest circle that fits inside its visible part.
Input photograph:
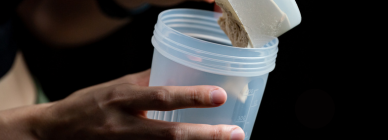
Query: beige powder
(233, 28)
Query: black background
(304, 97)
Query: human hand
(117, 110)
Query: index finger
(168, 97)
(187, 131)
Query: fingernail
(218, 97)
(237, 134)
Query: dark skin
(117, 110)
(113, 110)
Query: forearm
(117, 110)
(22, 123)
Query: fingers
(166, 98)
(140, 79)
(187, 131)
(207, 132)
(175, 97)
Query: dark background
(304, 97)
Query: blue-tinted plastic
(182, 57)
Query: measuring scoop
(263, 20)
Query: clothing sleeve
(8, 9)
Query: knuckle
(108, 129)
(221, 132)
(115, 94)
(160, 96)
(194, 97)
(171, 133)
(175, 133)
(216, 134)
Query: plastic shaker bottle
(191, 49)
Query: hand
(117, 110)
(136, 3)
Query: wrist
(21, 123)
(43, 121)
(60, 120)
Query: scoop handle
(290, 8)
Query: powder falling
(233, 28)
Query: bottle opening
(211, 39)
(193, 38)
